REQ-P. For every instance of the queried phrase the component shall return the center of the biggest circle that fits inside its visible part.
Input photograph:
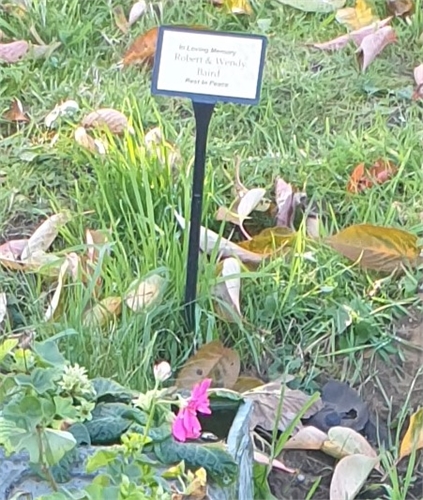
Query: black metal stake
(203, 113)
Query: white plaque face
(209, 66)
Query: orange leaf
(16, 113)
(377, 248)
(357, 180)
(381, 171)
(142, 50)
(214, 361)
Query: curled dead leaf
(142, 50)
(103, 312)
(399, 8)
(413, 438)
(14, 51)
(16, 113)
(137, 10)
(226, 294)
(214, 361)
(307, 438)
(109, 118)
(146, 293)
(349, 476)
(87, 142)
(373, 44)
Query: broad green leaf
(325, 6)
(49, 353)
(218, 463)
(109, 391)
(40, 379)
(349, 476)
(214, 361)
(413, 438)
(57, 444)
(26, 413)
(8, 428)
(64, 408)
(101, 458)
(80, 433)
(6, 347)
(108, 423)
(377, 248)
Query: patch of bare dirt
(391, 386)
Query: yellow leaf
(214, 361)
(103, 312)
(356, 17)
(144, 294)
(413, 439)
(244, 384)
(235, 6)
(269, 240)
(378, 248)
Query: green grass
(316, 120)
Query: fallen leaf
(3, 308)
(380, 172)
(54, 302)
(267, 400)
(209, 240)
(235, 6)
(249, 202)
(356, 17)
(413, 438)
(244, 384)
(62, 109)
(307, 438)
(263, 459)
(344, 441)
(16, 113)
(120, 19)
(226, 294)
(325, 6)
(400, 8)
(373, 44)
(137, 10)
(356, 36)
(197, 487)
(87, 142)
(142, 50)
(285, 203)
(349, 476)
(103, 312)
(270, 241)
(44, 235)
(94, 239)
(214, 361)
(111, 119)
(378, 248)
(146, 293)
(14, 51)
(418, 77)
(312, 226)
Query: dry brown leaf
(263, 459)
(267, 400)
(356, 17)
(214, 361)
(413, 438)
(209, 240)
(44, 235)
(349, 476)
(378, 248)
(356, 36)
(142, 50)
(146, 293)
(103, 312)
(120, 19)
(372, 45)
(14, 51)
(344, 441)
(380, 172)
(285, 203)
(226, 294)
(244, 384)
(307, 438)
(54, 302)
(16, 113)
(400, 8)
(111, 119)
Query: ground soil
(388, 388)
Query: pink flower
(186, 425)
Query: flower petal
(178, 427)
